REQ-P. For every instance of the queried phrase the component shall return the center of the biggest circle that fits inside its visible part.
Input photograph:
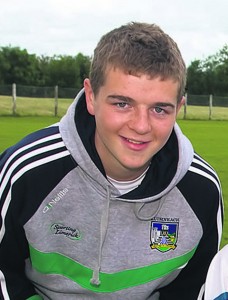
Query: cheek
(105, 124)
(164, 130)
(107, 120)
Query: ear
(89, 95)
(180, 104)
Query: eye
(121, 104)
(159, 110)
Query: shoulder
(30, 169)
(203, 170)
(31, 153)
(31, 145)
(201, 177)
(201, 189)
(31, 141)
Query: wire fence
(20, 100)
(37, 91)
(210, 107)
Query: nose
(140, 121)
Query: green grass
(202, 113)
(33, 106)
(210, 140)
(14, 128)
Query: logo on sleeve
(55, 200)
(164, 233)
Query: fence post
(56, 100)
(185, 106)
(14, 98)
(210, 106)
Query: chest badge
(67, 231)
(164, 234)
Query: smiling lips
(135, 142)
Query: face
(134, 117)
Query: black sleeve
(13, 245)
(24, 183)
(13, 252)
(206, 201)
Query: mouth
(135, 142)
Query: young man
(112, 202)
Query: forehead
(110, 69)
(120, 82)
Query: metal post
(56, 100)
(14, 98)
(185, 106)
(210, 106)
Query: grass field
(209, 138)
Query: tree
(17, 66)
(221, 72)
(195, 78)
(209, 76)
(83, 66)
(68, 71)
(61, 71)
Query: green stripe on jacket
(55, 263)
(35, 297)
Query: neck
(127, 175)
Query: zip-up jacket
(67, 233)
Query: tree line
(20, 67)
(208, 76)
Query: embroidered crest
(67, 231)
(164, 233)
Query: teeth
(134, 142)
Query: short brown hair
(138, 48)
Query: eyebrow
(130, 100)
(121, 98)
(165, 104)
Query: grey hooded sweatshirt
(67, 233)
